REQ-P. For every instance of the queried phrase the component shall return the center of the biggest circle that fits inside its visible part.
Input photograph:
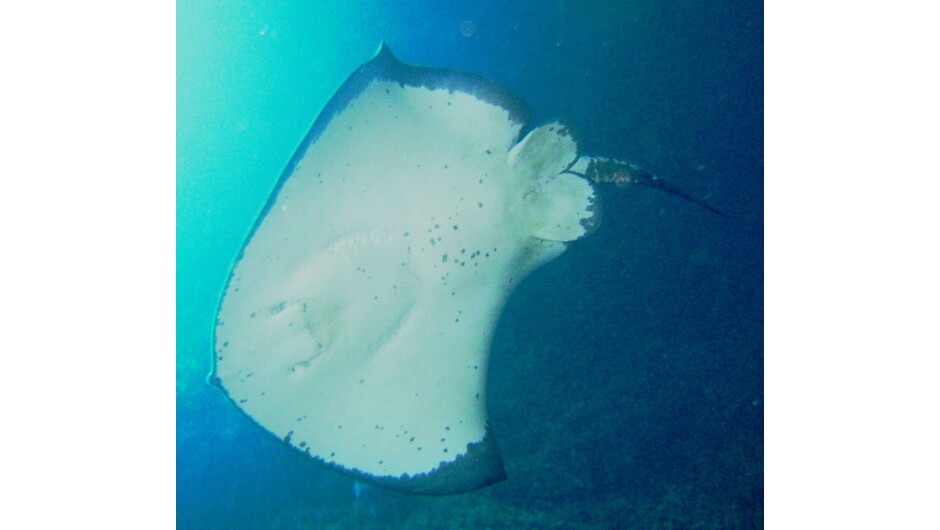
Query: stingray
(357, 319)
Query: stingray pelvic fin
(622, 174)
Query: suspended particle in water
(467, 28)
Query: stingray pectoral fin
(556, 206)
(357, 319)
(623, 174)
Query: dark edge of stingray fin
(623, 174)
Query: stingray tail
(623, 174)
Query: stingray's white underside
(356, 324)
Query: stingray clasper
(357, 319)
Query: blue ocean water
(626, 378)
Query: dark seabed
(626, 378)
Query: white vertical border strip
(87, 283)
(852, 266)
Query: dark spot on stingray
(447, 428)
(444, 258)
(488, 151)
(242, 400)
(445, 166)
(381, 461)
(445, 449)
(443, 440)
(225, 344)
(479, 205)
(287, 438)
(386, 91)
(432, 242)
(463, 251)
(253, 315)
(303, 444)
(333, 454)
(340, 427)
(448, 103)
(478, 395)
(362, 381)
(419, 448)
(455, 227)
(412, 439)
